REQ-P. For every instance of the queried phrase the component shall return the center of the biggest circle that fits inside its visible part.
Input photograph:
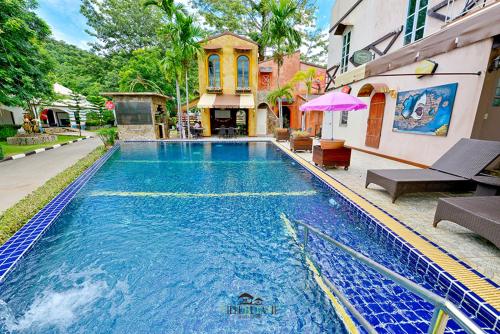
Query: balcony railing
(458, 8)
(240, 90)
(216, 90)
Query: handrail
(443, 307)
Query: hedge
(16, 216)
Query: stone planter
(31, 140)
(330, 144)
(301, 143)
(281, 134)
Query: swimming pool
(166, 237)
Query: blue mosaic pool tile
(14, 249)
(434, 275)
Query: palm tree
(168, 6)
(282, 36)
(278, 94)
(307, 77)
(172, 62)
(189, 36)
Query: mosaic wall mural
(425, 111)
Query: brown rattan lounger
(480, 214)
(452, 172)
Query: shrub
(296, 134)
(108, 136)
(1, 153)
(8, 131)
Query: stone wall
(136, 132)
(31, 140)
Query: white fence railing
(458, 8)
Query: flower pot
(328, 144)
(281, 134)
(301, 143)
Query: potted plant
(301, 141)
(281, 134)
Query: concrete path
(20, 177)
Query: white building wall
(373, 19)
(422, 149)
(368, 27)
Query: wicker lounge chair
(480, 214)
(452, 172)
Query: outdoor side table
(487, 185)
(330, 158)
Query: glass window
(343, 118)
(496, 99)
(243, 72)
(346, 43)
(415, 20)
(214, 71)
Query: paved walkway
(20, 177)
(417, 211)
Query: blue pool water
(166, 236)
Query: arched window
(243, 75)
(214, 71)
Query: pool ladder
(443, 308)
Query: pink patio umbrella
(334, 101)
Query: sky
(67, 24)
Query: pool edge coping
(19, 244)
(461, 273)
(24, 239)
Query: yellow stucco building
(228, 79)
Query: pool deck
(417, 211)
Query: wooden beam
(408, 162)
(433, 12)
(345, 15)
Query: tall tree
(79, 70)
(251, 17)
(121, 26)
(188, 39)
(24, 62)
(172, 62)
(282, 35)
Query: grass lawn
(9, 150)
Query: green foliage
(252, 17)
(8, 131)
(79, 70)
(307, 77)
(281, 33)
(121, 26)
(104, 117)
(1, 153)
(285, 92)
(24, 62)
(143, 73)
(15, 217)
(299, 133)
(108, 136)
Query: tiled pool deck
(417, 211)
(468, 286)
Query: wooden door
(375, 120)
